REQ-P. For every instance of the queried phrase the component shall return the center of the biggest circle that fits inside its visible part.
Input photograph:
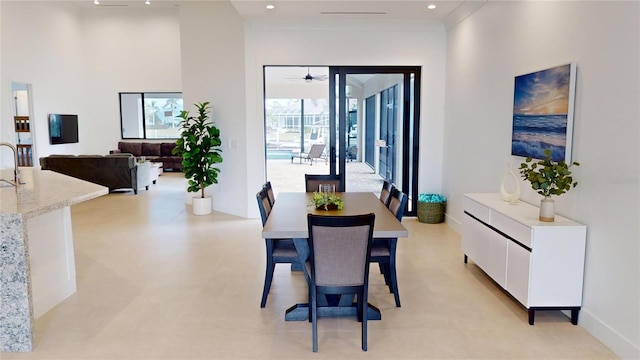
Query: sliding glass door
(365, 117)
(374, 120)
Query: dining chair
(383, 251)
(272, 198)
(312, 181)
(279, 251)
(385, 192)
(339, 256)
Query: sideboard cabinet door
(487, 249)
(517, 283)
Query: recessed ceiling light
(96, 2)
(431, 6)
(148, 2)
(270, 7)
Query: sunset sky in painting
(543, 93)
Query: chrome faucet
(16, 172)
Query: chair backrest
(385, 192)
(313, 181)
(340, 249)
(272, 198)
(316, 151)
(397, 203)
(263, 205)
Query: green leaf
(199, 145)
(546, 176)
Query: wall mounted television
(63, 129)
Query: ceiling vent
(353, 13)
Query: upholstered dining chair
(313, 181)
(279, 251)
(385, 192)
(272, 198)
(339, 255)
(383, 251)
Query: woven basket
(431, 213)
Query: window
(150, 115)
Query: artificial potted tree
(200, 147)
(548, 177)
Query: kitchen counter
(37, 265)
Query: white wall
(41, 46)
(213, 53)
(78, 59)
(126, 50)
(350, 43)
(505, 39)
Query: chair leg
(387, 277)
(268, 277)
(314, 320)
(364, 309)
(394, 282)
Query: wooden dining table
(288, 220)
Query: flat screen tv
(63, 129)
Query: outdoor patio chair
(314, 153)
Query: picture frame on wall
(543, 106)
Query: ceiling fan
(309, 78)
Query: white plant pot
(202, 205)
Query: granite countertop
(43, 191)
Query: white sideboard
(541, 264)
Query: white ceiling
(446, 10)
(449, 12)
(358, 9)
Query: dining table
(288, 220)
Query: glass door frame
(411, 129)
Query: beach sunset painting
(543, 113)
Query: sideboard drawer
(514, 229)
(478, 211)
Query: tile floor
(155, 282)
(287, 176)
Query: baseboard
(609, 337)
(454, 224)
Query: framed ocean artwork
(543, 113)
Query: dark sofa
(112, 171)
(154, 152)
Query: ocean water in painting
(534, 133)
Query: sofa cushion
(150, 149)
(133, 148)
(166, 148)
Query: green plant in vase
(200, 147)
(547, 178)
(326, 201)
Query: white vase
(202, 205)
(547, 209)
(510, 197)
